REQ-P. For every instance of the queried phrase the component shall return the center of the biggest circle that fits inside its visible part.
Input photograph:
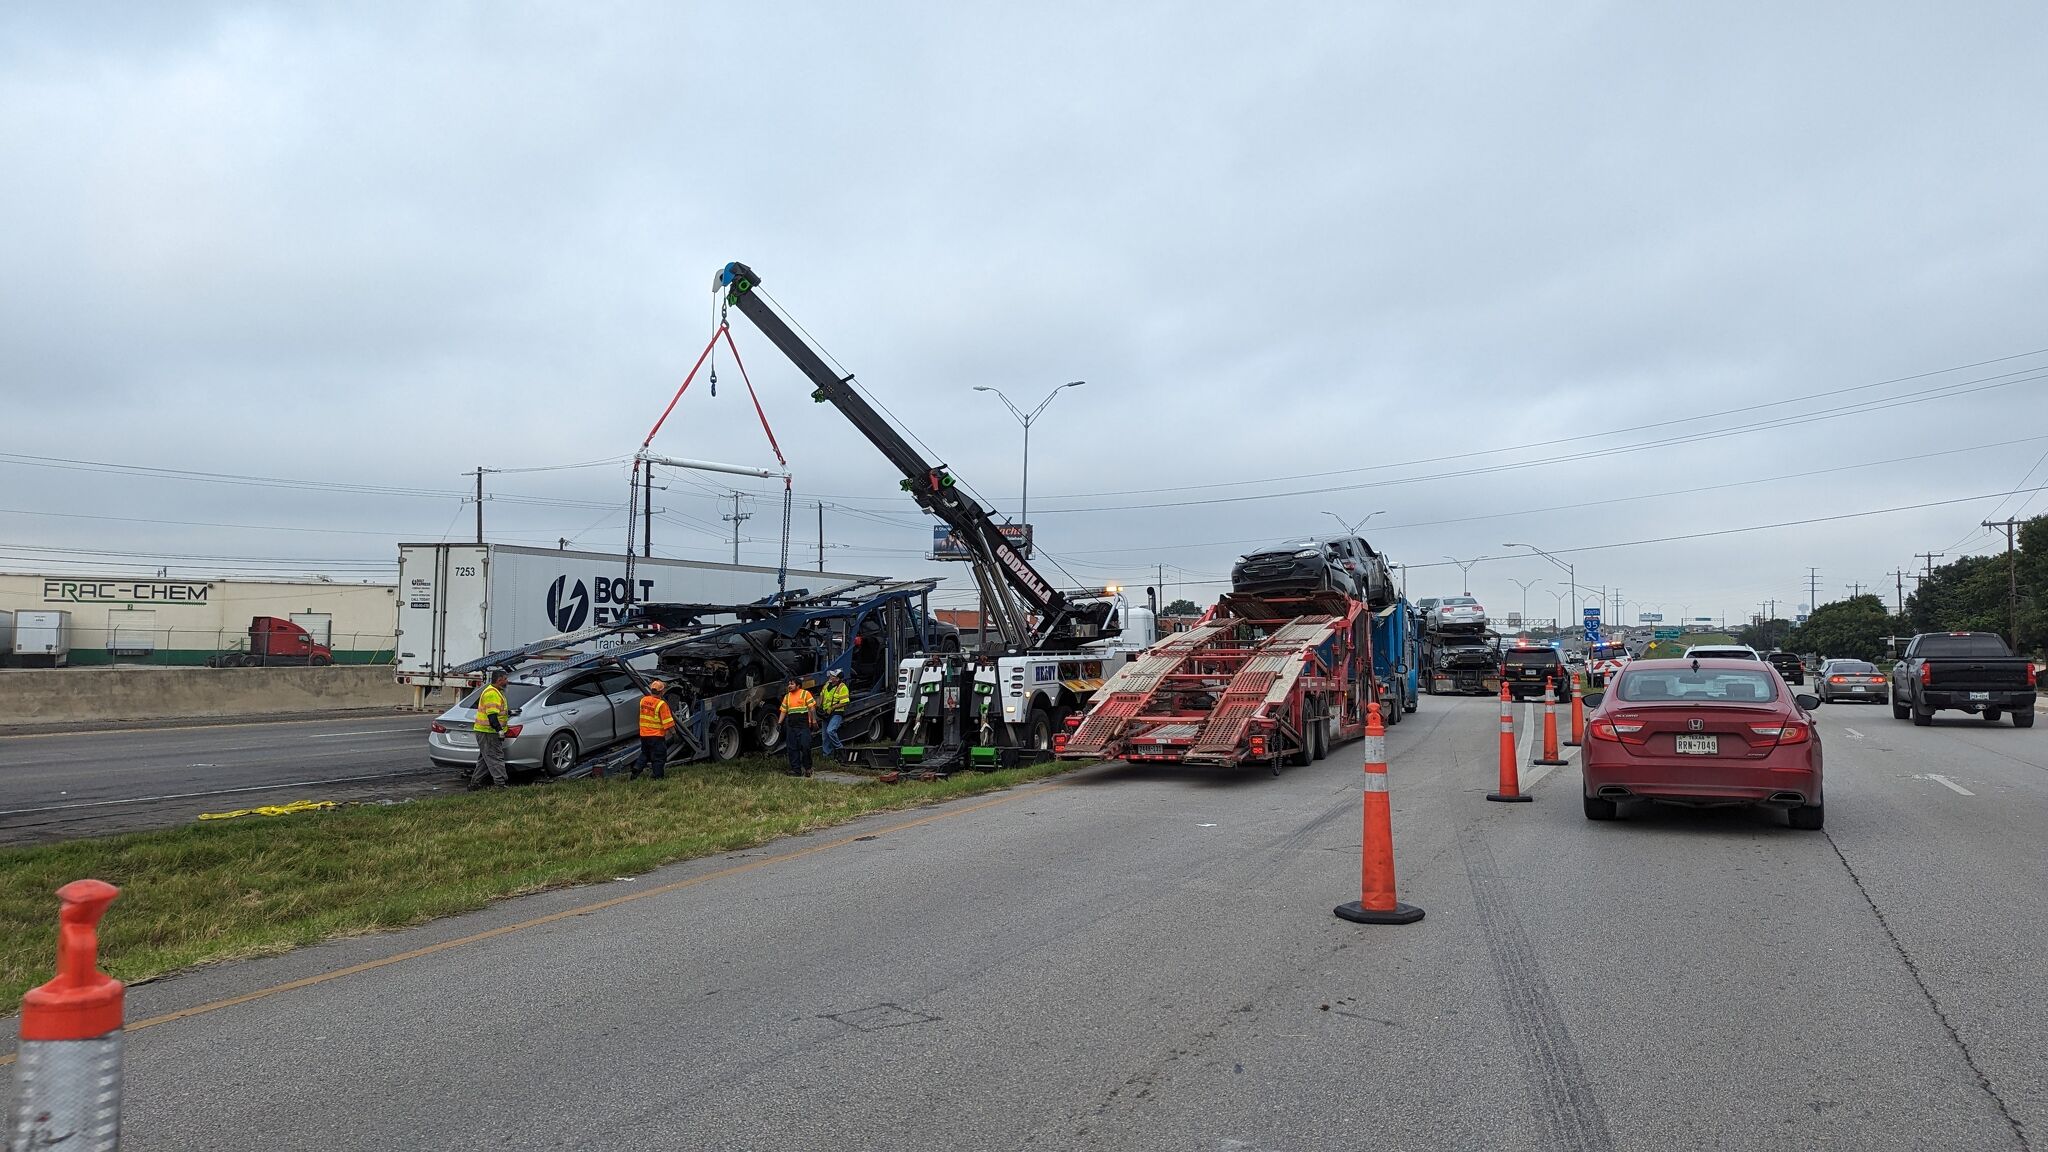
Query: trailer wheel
(767, 732)
(725, 739)
(1408, 703)
(1319, 741)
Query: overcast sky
(1457, 262)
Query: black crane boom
(1061, 621)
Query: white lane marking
(213, 792)
(371, 732)
(1945, 782)
(1853, 734)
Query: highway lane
(1147, 959)
(62, 785)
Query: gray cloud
(340, 242)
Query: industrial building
(122, 619)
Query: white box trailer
(42, 639)
(458, 603)
(6, 637)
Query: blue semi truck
(1397, 660)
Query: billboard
(947, 545)
(1649, 617)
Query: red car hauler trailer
(1258, 680)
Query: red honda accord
(1704, 733)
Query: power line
(1743, 410)
(1624, 449)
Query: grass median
(261, 885)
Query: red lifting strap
(756, 399)
(708, 346)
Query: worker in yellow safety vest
(832, 699)
(656, 722)
(489, 727)
(799, 715)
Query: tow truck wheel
(725, 739)
(561, 755)
(1038, 730)
(878, 728)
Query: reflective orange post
(1376, 903)
(1550, 757)
(1510, 772)
(68, 1082)
(1578, 717)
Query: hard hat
(656, 685)
(834, 674)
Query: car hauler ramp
(1259, 679)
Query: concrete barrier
(73, 695)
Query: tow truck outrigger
(987, 708)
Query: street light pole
(1464, 566)
(1570, 573)
(1024, 498)
(1351, 529)
(1526, 585)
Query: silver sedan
(559, 716)
(1851, 680)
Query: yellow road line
(566, 913)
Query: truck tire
(1899, 711)
(2023, 719)
(561, 754)
(1922, 718)
(1038, 730)
(767, 732)
(1319, 740)
(322, 661)
(1408, 702)
(725, 738)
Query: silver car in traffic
(1458, 612)
(1851, 680)
(559, 716)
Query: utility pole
(479, 503)
(1898, 576)
(1930, 557)
(821, 535)
(737, 517)
(1812, 589)
(2012, 580)
(647, 514)
(1855, 590)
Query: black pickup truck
(1970, 671)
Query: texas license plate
(461, 738)
(1861, 688)
(1980, 695)
(1699, 745)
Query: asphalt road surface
(1142, 959)
(63, 785)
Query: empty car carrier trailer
(458, 603)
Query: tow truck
(988, 708)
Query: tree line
(1966, 595)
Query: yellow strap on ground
(272, 809)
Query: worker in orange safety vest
(656, 722)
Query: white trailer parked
(42, 639)
(458, 603)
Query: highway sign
(1665, 634)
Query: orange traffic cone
(1550, 757)
(1510, 774)
(68, 1084)
(1376, 903)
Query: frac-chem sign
(150, 592)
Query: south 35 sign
(1592, 624)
